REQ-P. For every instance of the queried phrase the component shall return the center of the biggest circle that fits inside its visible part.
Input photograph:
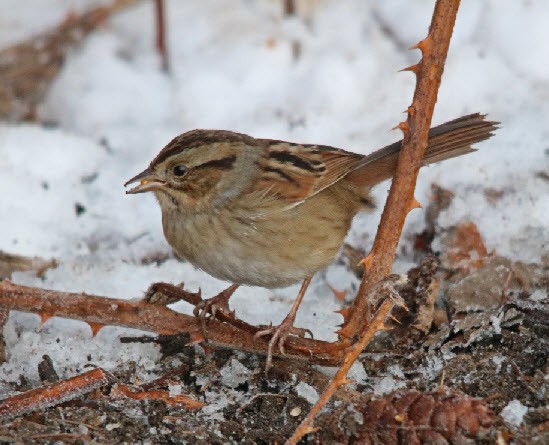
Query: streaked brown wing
(295, 172)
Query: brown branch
(289, 7)
(154, 318)
(161, 33)
(47, 396)
(340, 379)
(126, 391)
(401, 199)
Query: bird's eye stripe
(222, 164)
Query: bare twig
(161, 33)
(289, 7)
(170, 294)
(155, 318)
(401, 199)
(158, 394)
(47, 396)
(340, 379)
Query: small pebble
(295, 411)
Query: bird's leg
(211, 305)
(281, 332)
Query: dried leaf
(465, 248)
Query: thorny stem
(126, 391)
(378, 263)
(157, 318)
(400, 201)
(340, 379)
(52, 395)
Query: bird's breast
(276, 249)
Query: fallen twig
(340, 379)
(47, 396)
(400, 201)
(158, 394)
(156, 318)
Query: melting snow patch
(234, 373)
(307, 392)
(538, 295)
(513, 413)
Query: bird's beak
(148, 182)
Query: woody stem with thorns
(364, 320)
(401, 200)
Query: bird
(272, 213)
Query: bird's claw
(212, 305)
(279, 335)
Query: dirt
(492, 352)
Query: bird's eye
(179, 170)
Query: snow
(233, 67)
(308, 392)
(513, 413)
(391, 382)
(234, 374)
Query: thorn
(402, 126)
(413, 68)
(394, 319)
(414, 204)
(422, 45)
(344, 331)
(366, 262)
(339, 294)
(411, 111)
(95, 327)
(44, 317)
(347, 381)
(344, 312)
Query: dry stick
(176, 293)
(401, 199)
(126, 391)
(161, 33)
(377, 324)
(47, 396)
(153, 318)
(289, 7)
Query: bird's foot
(211, 306)
(279, 335)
